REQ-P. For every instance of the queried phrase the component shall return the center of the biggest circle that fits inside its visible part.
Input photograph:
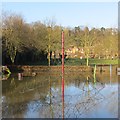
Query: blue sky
(92, 14)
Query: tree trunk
(87, 63)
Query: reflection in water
(62, 92)
(20, 76)
(84, 95)
(94, 74)
(110, 73)
(51, 106)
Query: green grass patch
(76, 61)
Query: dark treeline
(24, 43)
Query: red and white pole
(62, 74)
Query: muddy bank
(39, 69)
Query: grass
(73, 62)
(77, 61)
(103, 61)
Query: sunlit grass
(76, 61)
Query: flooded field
(85, 95)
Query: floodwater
(84, 95)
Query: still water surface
(85, 96)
